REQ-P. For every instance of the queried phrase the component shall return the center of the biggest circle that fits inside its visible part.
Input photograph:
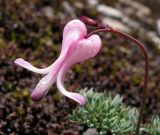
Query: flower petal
(85, 49)
(73, 32)
(42, 87)
(60, 79)
(21, 62)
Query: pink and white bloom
(75, 48)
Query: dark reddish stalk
(144, 96)
(145, 52)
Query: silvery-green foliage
(106, 114)
(154, 127)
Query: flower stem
(145, 52)
(144, 96)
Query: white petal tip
(21, 62)
(17, 61)
(78, 98)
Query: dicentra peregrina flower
(75, 48)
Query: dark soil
(27, 31)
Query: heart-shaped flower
(75, 48)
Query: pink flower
(75, 48)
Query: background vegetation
(32, 29)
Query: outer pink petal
(85, 49)
(73, 32)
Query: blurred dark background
(32, 29)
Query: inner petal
(60, 84)
(42, 87)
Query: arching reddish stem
(145, 52)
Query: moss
(25, 93)
(56, 97)
(20, 111)
(77, 68)
(3, 43)
(48, 30)
(21, 94)
(136, 79)
(15, 94)
(45, 40)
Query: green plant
(154, 127)
(105, 113)
(100, 27)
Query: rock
(92, 2)
(158, 26)
(116, 24)
(79, 5)
(109, 11)
(69, 9)
(80, 128)
(131, 23)
(138, 7)
(151, 36)
(154, 38)
(48, 12)
(91, 131)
